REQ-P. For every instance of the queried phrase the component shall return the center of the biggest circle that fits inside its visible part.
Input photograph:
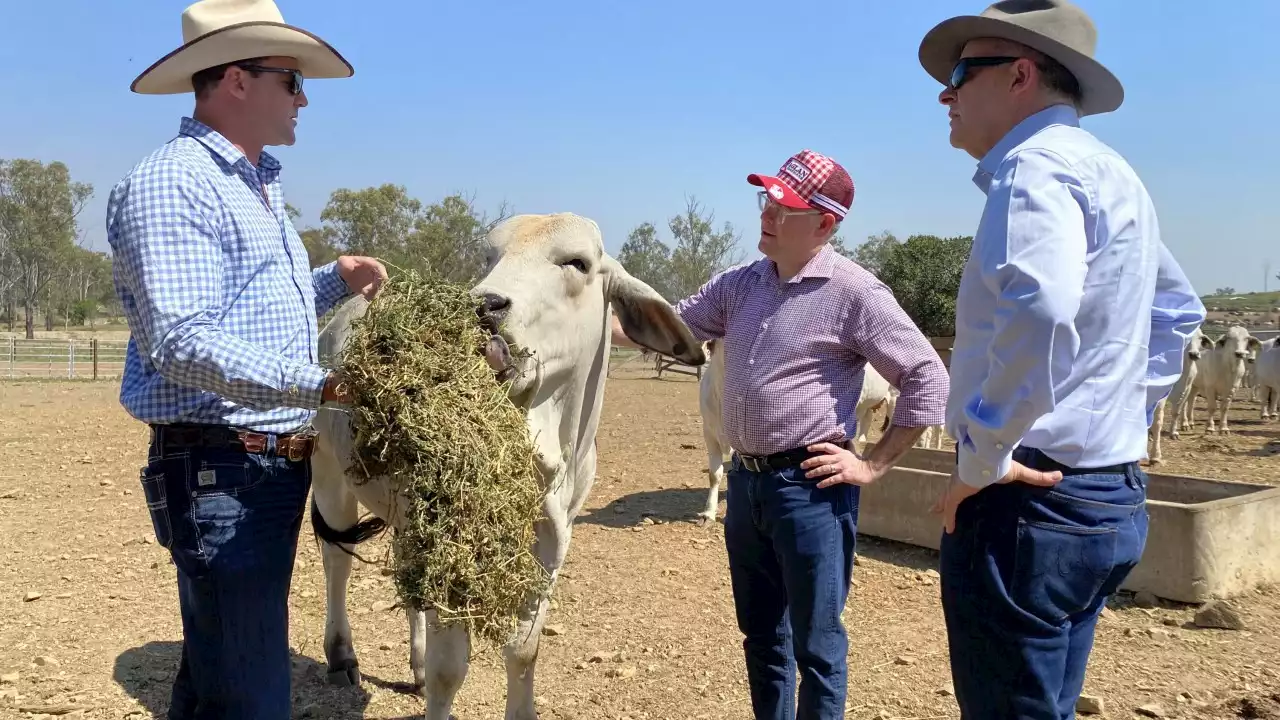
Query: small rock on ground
(1090, 705)
(1153, 710)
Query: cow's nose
(1242, 355)
(492, 308)
(494, 303)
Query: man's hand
(957, 490)
(362, 275)
(335, 390)
(839, 465)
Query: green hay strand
(429, 415)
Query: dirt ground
(89, 620)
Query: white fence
(90, 359)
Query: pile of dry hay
(429, 414)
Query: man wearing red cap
(797, 328)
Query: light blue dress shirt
(1072, 316)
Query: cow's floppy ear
(1205, 343)
(647, 318)
(1254, 344)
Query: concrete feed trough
(1207, 538)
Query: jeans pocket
(225, 473)
(153, 490)
(1060, 569)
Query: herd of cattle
(549, 288)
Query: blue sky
(618, 111)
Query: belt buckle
(299, 446)
(253, 442)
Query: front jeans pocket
(1059, 569)
(153, 490)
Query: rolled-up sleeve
(881, 331)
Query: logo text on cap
(796, 169)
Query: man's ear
(647, 318)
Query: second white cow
(876, 393)
(1222, 371)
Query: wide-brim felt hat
(215, 32)
(1056, 28)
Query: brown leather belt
(293, 446)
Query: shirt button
(999, 446)
(986, 473)
(751, 362)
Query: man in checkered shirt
(797, 329)
(222, 360)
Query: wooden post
(13, 354)
(93, 351)
(71, 359)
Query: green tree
(38, 208)
(700, 251)
(648, 259)
(875, 252)
(924, 275)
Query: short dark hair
(1054, 76)
(205, 80)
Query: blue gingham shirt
(221, 301)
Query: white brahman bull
(1182, 395)
(875, 393)
(1223, 370)
(549, 288)
(1267, 372)
(1189, 385)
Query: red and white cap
(809, 181)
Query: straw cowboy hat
(215, 32)
(1056, 28)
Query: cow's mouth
(498, 354)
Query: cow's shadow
(147, 674)
(659, 506)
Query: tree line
(45, 270)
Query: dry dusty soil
(89, 619)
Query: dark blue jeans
(1025, 576)
(790, 548)
(230, 520)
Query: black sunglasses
(960, 73)
(295, 84)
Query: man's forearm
(895, 443)
(619, 337)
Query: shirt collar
(268, 165)
(1023, 131)
(819, 266)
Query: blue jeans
(230, 520)
(790, 548)
(1024, 577)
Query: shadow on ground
(147, 674)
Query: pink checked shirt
(795, 352)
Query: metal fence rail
(90, 359)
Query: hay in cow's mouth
(429, 414)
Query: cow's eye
(575, 263)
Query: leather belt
(775, 461)
(296, 447)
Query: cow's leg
(715, 477)
(1226, 408)
(521, 654)
(439, 657)
(1157, 426)
(338, 509)
(1211, 402)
